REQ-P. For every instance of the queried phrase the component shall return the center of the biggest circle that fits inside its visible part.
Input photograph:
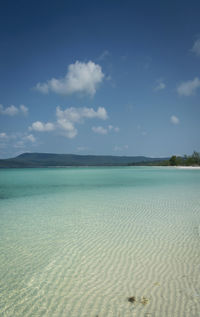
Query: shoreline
(188, 167)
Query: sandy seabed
(96, 237)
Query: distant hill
(47, 159)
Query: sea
(100, 242)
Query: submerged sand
(81, 242)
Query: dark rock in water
(132, 299)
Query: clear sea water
(81, 241)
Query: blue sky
(100, 77)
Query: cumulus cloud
(23, 109)
(196, 47)
(189, 87)
(91, 113)
(7, 137)
(76, 114)
(17, 140)
(42, 127)
(13, 110)
(43, 87)
(160, 85)
(30, 138)
(111, 128)
(66, 119)
(24, 140)
(10, 111)
(102, 130)
(99, 130)
(174, 120)
(80, 78)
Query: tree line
(186, 160)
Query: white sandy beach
(189, 167)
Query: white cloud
(66, 119)
(76, 114)
(189, 87)
(17, 140)
(42, 87)
(9, 137)
(26, 138)
(174, 120)
(99, 130)
(10, 111)
(30, 138)
(80, 77)
(13, 110)
(103, 55)
(196, 47)
(23, 109)
(42, 127)
(22, 140)
(64, 122)
(3, 136)
(91, 113)
(102, 130)
(111, 128)
(160, 85)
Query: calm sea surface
(81, 241)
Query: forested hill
(46, 160)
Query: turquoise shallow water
(79, 241)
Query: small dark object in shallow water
(144, 300)
(132, 299)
